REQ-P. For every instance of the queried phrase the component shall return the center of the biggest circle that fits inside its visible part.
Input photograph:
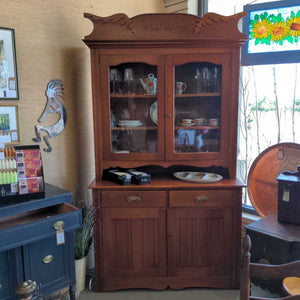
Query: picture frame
(9, 89)
(9, 124)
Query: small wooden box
(289, 197)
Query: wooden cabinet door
(134, 242)
(133, 128)
(201, 246)
(201, 109)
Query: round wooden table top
(292, 285)
(262, 184)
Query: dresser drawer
(134, 199)
(201, 198)
(37, 224)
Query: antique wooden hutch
(165, 93)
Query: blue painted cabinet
(28, 245)
(7, 278)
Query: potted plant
(82, 244)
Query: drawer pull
(59, 225)
(133, 199)
(201, 199)
(47, 259)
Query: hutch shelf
(165, 93)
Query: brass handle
(133, 199)
(59, 225)
(47, 259)
(200, 199)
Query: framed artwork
(9, 124)
(8, 65)
(273, 29)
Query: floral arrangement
(265, 28)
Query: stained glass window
(273, 30)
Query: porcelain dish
(201, 177)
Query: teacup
(200, 121)
(180, 87)
(188, 122)
(213, 122)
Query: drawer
(47, 263)
(202, 198)
(134, 198)
(37, 224)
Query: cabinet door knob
(133, 199)
(200, 199)
(59, 225)
(169, 115)
(0, 286)
(47, 259)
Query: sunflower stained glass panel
(273, 29)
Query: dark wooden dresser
(28, 245)
(275, 243)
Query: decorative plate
(153, 112)
(133, 123)
(201, 177)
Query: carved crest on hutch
(152, 27)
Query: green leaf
(298, 14)
(272, 18)
(290, 39)
(252, 22)
(256, 17)
(296, 39)
(292, 14)
(279, 18)
(263, 16)
(280, 42)
(257, 41)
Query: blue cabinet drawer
(48, 263)
(37, 224)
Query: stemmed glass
(115, 81)
(216, 78)
(129, 79)
(206, 76)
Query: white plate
(153, 112)
(130, 124)
(201, 177)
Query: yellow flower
(294, 24)
(279, 31)
(261, 29)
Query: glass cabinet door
(133, 110)
(198, 108)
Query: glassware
(129, 80)
(216, 79)
(198, 81)
(206, 76)
(115, 81)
